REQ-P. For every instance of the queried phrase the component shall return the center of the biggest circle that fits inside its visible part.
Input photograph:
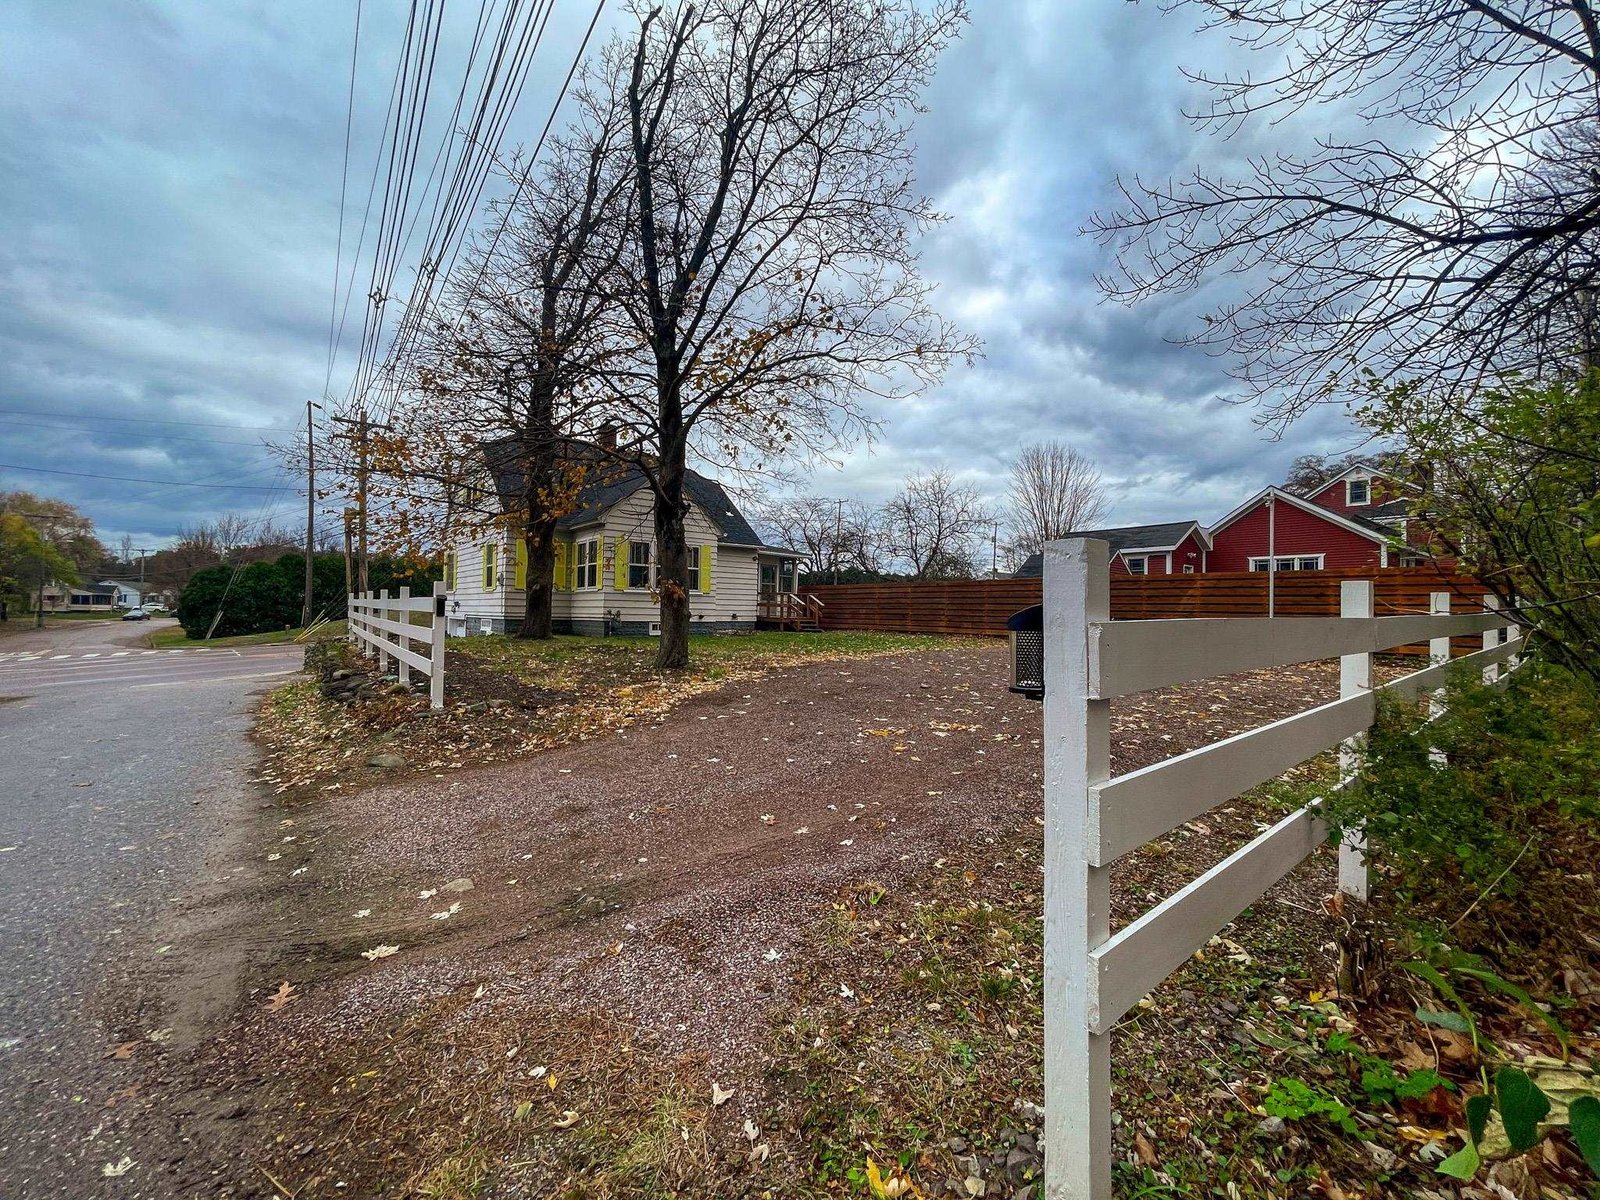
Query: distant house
(128, 595)
(1173, 548)
(1362, 517)
(92, 597)
(605, 561)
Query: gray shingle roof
(1124, 537)
(610, 483)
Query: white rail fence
(382, 625)
(1094, 976)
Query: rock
(397, 689)
(340, 674)
(458, 885)
(1018, 1162)
(976, 1186)
(958, 1145)
(478, 707)
(1270, 1127)
(1025, 1141)
(387, 761)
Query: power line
(238, 487)
(344, 181)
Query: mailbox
(1027, 652)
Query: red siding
(1155, 564)
(1298, 532)
(1332, 496)
(1189, 552)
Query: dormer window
(1357, 492)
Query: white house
(605, 562)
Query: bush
(267, 596)
(1517, 763)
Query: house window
(1302, 562)
(1413, 560)
(588, 565)
(1137, 566)
(1358, 492)
(638, 564)
(1188, 568)
(694, 568)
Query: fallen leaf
(281, 997)
(378, 952)
(567, 1119)
(751, 1130)
(113, 1170)
(718, 1096)
(124, 1050)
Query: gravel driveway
(654, 874)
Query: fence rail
(375, 630)
(1092, 975)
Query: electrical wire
(243, 487)
(33, 412)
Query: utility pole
(311, 509)
(838, 537)
(363, 429)
(349, 580)
(994, 550)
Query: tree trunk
(539, 596)
(672, 560)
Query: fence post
(1491, 639)
(1077, 754)
(436, 650)
(350, 619)
(384, 613)
(1355, 676)
(401, 667)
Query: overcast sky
(171, 211)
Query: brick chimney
(606, 439)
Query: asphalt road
(121, 772)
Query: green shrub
(1513, 760)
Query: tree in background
(61, 525)
(835, 536)
(28, 561)
(1452, 242)
(1055, 491)
(1309, 472)
(266, 595)
(934, 524)
(770, 278)
(1514, 492)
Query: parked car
(136, 614)
(155, 608)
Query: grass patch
(162, 639)
(585, 662)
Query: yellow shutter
(705, 570)
(561, 567)
(520, 578)
(449, 570)
(572, 567)
(624, 557)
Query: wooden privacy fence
(382, 625)
(1092, 975)
(981, 606)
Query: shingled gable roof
(612, 482)
(1165, 536)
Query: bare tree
(1054, 491)
(1434, 246)
(515, 373)
(771, 280)
(833, 534)
(933, 525)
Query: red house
(1173, 548)
(1362, 517)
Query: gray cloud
(172, 208)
